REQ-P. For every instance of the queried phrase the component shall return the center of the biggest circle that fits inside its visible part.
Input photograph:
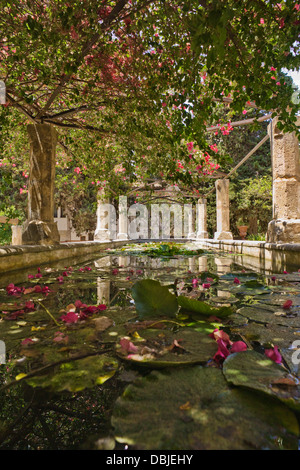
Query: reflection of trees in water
(35, 420)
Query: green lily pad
(77, 375)
(263, 313)
(203, 308)
(195, 409)
(164, 348)
(255, 371)
(152, 299)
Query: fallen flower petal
(27, 341)
(220, 334)
(238, 346)
(287, 304)
(274, 354)
(128, 346)
(101, 307)
(70, 317)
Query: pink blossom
(27, 341)
(70, 317)
(101, 307)
(238, 346)
(287, 304)
(127, 345)
(274, 354)
(11, 289)
(206, 286)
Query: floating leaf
(165, 348)
(151, 299)
(255, 371)
(202, 308)
(195, 409)
(77, 375)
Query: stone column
(106, 218)
(123, 220)
(285, 226)
(223, 225)
(188, 221)
(16, 235)
(40, 228)
(202, 219)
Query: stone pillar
(202, 264)
(202, 219)
(285, 226)
(223, 225)
(40, 228)
(16, 235)
(188, 221)
(106, 218)
(123, 220)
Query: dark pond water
(98, 356)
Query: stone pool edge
(18, 257)
(268, 256)
(263, 255)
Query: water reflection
(103, 285)
(72, 420)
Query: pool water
(150, 347)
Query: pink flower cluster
(225, 345)
(81, 311)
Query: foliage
(124, 72)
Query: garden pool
(156, 346)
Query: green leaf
(77, 375)
(255, 371)
(159, 348)
(151, 299)
(194, 408)
(192, 305)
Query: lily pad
(203, 308)
(255, 371)
(77, 375)
(152, 299)
(195, 409)
(263, 313)
(164, 348)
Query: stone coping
(265, 256)
(17, 257)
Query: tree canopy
(131, 86)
